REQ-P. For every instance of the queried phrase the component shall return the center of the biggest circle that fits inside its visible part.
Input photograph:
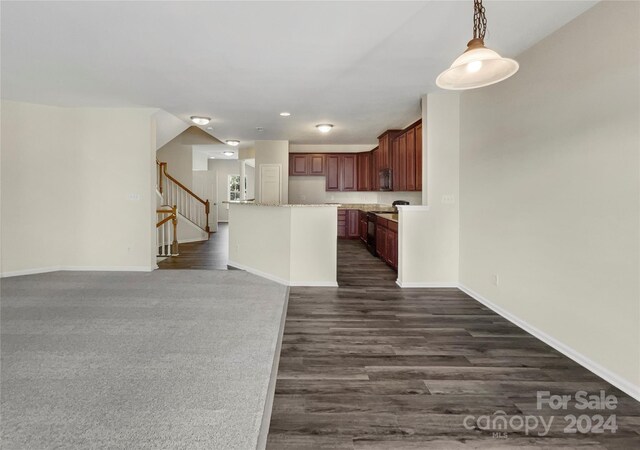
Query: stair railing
(188, 204)
(167, 231)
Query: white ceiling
(216, 151)
(359, 65)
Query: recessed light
(233, 142)
(228, 153)
(285, 114)
(324, 127)
(199, 120)
(212, 157)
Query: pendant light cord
(479, 20)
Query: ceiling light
(233, 142)
(259, 129)
(228, 153)
(285, 114)
(212, 157)
(324, 127)
(199, 120)
(209, 128)
(478, 66)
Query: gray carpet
(168, 359)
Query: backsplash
(312, 190)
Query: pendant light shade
(478, 66)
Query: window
(234, 187)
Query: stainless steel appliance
(385, 179)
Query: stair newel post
(206, 210)
(174, 222)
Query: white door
(205, 186)
(270, 184)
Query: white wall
(223, 168)
(250, 173)
(168, 127)
(66, 185)
(273, 152)
(276, 241)
(199, 159)
(550, 197)
(429, 238)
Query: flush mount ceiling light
(233, 142)
(199, 120)
(228, 153)
(324, 127)
(209, 128)
(478, 66)
(285, 114)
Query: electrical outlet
(495, 280)
(448, 199)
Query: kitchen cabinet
(306, 164)
(401, 169)
(333, 172)
(342, 223)
(385, 142)
(419, 157)
(387, 241)
(375, 169)
(410, 169)
(342, 172)
(353, 224)
(362, 216)
(348, 224)
(364, 171)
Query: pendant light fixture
(478, 66)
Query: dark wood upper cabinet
(410, 176)
(316, 165)
(419, 157)
(297, 164)
(384, 144)
(375, 169)
(401, 172)
(349, 173)
(364, 171)
(395, 165)
(333, 172)
(306, 164)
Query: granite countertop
(366, 207)
(391, 217)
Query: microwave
(385, 180)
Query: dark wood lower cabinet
(387, 241)
(348, 224)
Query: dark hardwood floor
(212, 254)
(368, 365)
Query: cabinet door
(363, 230)
(364, 171)
(342, 223)
(353, 224)
(395, 165)
(402, 162)
(333, 172)
(392, 249)
(383, 145)
(375, 169)
(419, 157)
(315, 165)
(411, 159)
(381, 241)
(297, 164)
(349, 173)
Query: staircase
(178, 202)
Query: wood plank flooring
(368, 365)
(212, 254)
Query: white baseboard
(619, 382)
(18, 273)
(271, 277)
(411, 284)
(271, 389)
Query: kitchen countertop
(388, 216)
(366, 207)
